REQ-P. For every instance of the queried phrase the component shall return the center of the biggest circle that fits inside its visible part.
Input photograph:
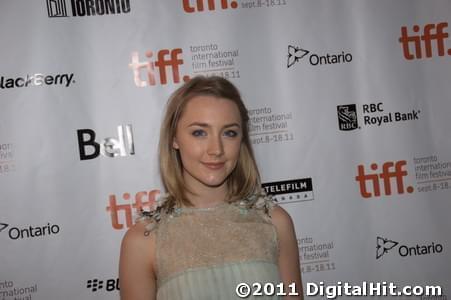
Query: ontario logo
(296, 54)
(81, 8)
(293, 190)
(384, 245)
(18, 233)
(151, 72)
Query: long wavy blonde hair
(244, 179)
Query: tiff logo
(165, 59)
(141, 200)
(211, 4)
(398, 173)
(56, 8)
(431, 32)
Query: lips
(214, 166)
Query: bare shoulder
(138, 236)
(281, 219)
(137, 263)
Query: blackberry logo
(347, 117)
(96, 285)
(383, 246)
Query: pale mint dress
(203, 254)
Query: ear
(175, 145)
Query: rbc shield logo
(347, 117)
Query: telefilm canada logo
(82, 8)
(108, 285)
(384, 245)
(424, 38)
(27, 232)
(121, 146)
(123, 208)
(293, 190)
(373, 115)
(37, 79)
(297, 54)
(387, 179)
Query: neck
(207, 196)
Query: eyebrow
(207, 125)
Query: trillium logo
(383, 246)
(3, 226)
(295, 54)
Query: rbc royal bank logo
(151, 72)
(390, 170)
(347, 117)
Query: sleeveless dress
(204, 253)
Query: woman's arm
(289, 266)
(136, 266)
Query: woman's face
(208, 137)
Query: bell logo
(165, 59)
(139, 204)
(211, 5)
(109, 147)
(386, 175)
(431, 32)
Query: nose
(215, 146)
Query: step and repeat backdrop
(350, 114)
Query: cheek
(234, 150)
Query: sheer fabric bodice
(204, 253)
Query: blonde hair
(244, 179)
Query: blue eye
(199, 132)
(231, 133)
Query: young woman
(214, 228)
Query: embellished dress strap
(153, 216)
(259, 201)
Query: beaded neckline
(259, 201)
(211, 208)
